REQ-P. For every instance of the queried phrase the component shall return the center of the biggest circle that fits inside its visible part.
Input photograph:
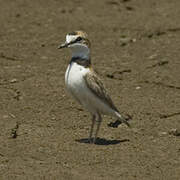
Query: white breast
(74, 78)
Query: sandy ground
(136, 51)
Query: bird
(83, 83)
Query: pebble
(138, 87)
(163, 133)
(152, 56)
(13, 80)
(44, 57)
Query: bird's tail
(122, 119)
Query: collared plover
(84, 84)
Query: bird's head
(78, 42)
(75, 39)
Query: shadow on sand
(102, 141)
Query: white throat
(81, 51)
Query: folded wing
(96, 86)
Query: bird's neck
(80, 51)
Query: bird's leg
(92, 127)
(99, 119)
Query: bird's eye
(79, 39)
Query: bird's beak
(64, 45)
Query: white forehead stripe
(70, 38)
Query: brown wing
(96, 86)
